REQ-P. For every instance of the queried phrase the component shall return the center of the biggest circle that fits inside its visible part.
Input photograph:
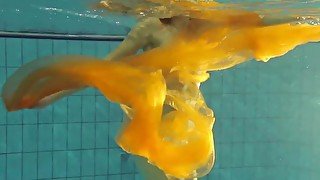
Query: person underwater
(167, 120)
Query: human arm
(137, 38)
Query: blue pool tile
(44, 47)
(291, 105)
(127, 163)
(14, 117)
(60, 111)
(251, 83)
(262, 173)
(98, 93)
(3, 167)
(279, 153)
(45, 115)
(214, 174)
(127, 176)
(10, 71)
(3, 139)
(262, 106)
(88, 108)
(101, 162)
(114, 128)
(2, 76)
(14, 170)
(228, 81)
(88, 135)
(306, 157)
(102, 49)
(226, 174)
(88, 178)
(240, 106)
(205, 88)
(238, 130)
(74, 108)
(251, 101)
(59, 47)
(224, 152)
(274, 101)
(74, 163)
(309, 107)
(45, 137)
(204, 178)
(239, 80)
(218, 131)
(60, 134)
(88, 48)
(2, 52)
(87, 163)
(114, 177)
(250, 158)
(101, 178)
(294, 82)
(237, 155)
(264, 82)
(102, 109)
(115, 112)
(29, 47)
(73, 47)
(30, 166)
(13, 52)
(244, 66)
(276, 173)
(227, 106)
(214, 84)
(78, 93)
(255, 154)
(74, 134)
(30, 116)
(138, 176)
(59, 164)
(114, 161)
(45, 165)
(314, 175)
(251, 129)
(3, 116)
(243, 173)
(306, 175)
(14, 138)
(310, 55)
(75, 178)
(287, 80)
(226, 131)
(101, 135)
(30, 138)
(259, 132)
(88, 92)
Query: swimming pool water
(267, 118)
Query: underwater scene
(160, 89)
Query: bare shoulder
(149, 22)
(145, 27)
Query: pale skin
(148, 34)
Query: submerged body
(168, 121)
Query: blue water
(267, 114)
